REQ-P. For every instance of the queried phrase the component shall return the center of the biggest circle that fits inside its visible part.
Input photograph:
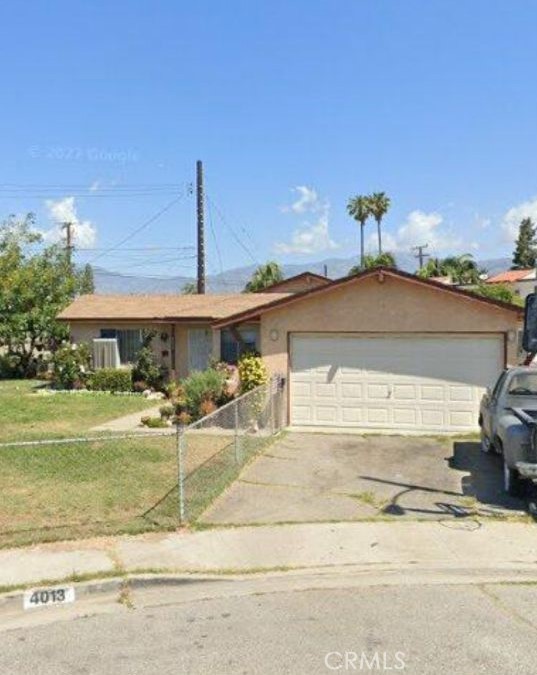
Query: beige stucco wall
(86, 331)
(368, 306)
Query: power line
(139, 229)
(217, 248)
(233, 233)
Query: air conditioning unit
(105, 353)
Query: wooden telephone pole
(68, 227)
(201, 227)
(420, 255)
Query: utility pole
(68, 227)
(420, 254)
(201, 227)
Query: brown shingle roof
(164, 307)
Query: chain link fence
(213, 450)
(64, 488)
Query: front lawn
(26, 414)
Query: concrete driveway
(334, 477)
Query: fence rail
(63, 488)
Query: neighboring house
(522, 282)
(299, 283)
(382, 350)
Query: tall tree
(263, 277)
(359, 208)
(385, 259)
(34, 288)
(379, 204)
(525, 253)
(87, 281)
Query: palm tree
(360, 209)
(462, 269)
(385, 259)
(379, 203)
(263, 277)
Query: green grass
(27, 415)
(103, 487)
(84, 489)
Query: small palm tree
(263, 277)
(379, 203)
(359, 208)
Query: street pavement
(321, 623)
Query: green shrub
(154, 422)
(70, 364)
(206, 385)
(111, 379)
(252, 372)
(167, 411)
(146, 369)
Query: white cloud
(308, 201)
(419, 228)
(95, 186)
(311, 237)
(515, 214)
(62, 211)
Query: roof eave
(242, 316)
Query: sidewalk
(130, 422)
(454, 544)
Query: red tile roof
(510, 276)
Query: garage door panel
(405, 416)
(425, 383)
(402, 392)
(351, 390)
(351, 415)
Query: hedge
(111, 379)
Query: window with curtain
(231, 350)
(129, 342)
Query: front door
(200, 344)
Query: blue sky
(294, 105)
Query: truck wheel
(512, 483)
(486, 445)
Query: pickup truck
(508, 422)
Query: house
(521, 282)
(184, 339)
(382, 350)
(301, 282)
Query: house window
(231, 349)
(129, 342)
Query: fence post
(272, 396)
(236, 425)
(180, 470)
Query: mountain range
(234, 280)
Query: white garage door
(398, 383)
